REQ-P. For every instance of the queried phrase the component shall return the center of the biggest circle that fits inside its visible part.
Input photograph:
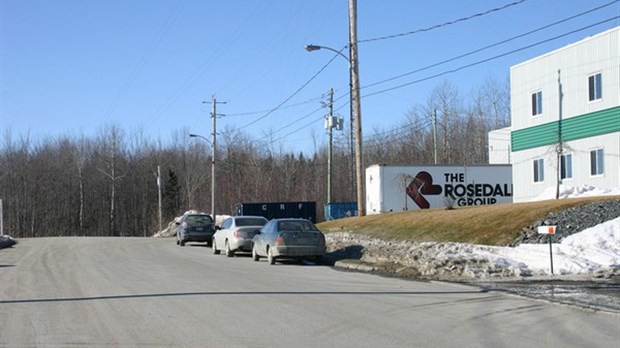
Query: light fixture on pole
(355, 115)
(311, 48)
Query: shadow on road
(240, 293)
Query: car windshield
(296, 226)
(251, 222)
(198, 219)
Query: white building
(565, 102)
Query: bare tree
(110, 151)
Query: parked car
(195, 228)
(288, 238)
(236, 234)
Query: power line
(444, 24)
(292, 95)
(490, 59)
(452, 70)
(249, 113)
(489, 46)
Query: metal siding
(599, 53)
(524, 187)
(593, 124)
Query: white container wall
(402, 188)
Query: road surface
(145, 292)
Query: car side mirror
(217, 227)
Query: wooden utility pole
(329, 125)
(560, 146)
(159, 193)
(357, 109)
(214, 115)
(435, 136)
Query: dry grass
(490, 225)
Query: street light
(355, 115)
(212, 172)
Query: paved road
(139, 292)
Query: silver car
(288, 238)
(236, 234)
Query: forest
(106, 185)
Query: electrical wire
(489, 46)
(489, 59)
(452, 70)
(292, 95)
(444, 24)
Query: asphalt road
(139, 292)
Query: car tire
(182, 243)
(214, 248)
(255, 256)
(270, 258)
(229, 252)
(178, 242)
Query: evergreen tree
(172, 196)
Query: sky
(152, 67)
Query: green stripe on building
(579, 127)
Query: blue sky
(70, 67)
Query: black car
(198, 227)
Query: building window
(539, 170)
(537, 103)
(595, 87)
(566, 166)
(597, 165)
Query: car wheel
(214, 247)
(270, 258)
(229, 252)
(182, 243)
(178, 241)
(255, 256)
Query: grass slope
(489, 225)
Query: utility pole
(357, 109)
(331, 122)
(435, 136)
(559, 148)
(1, 219)
(214, 115)
(159, 193)
(329, 127)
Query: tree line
(106, 185)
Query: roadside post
(549, 230)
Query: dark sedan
(288, 238)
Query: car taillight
(238, 234)
(279, 240)
(321, 239)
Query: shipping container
(402, 188)
(340, 210)
(274, 210)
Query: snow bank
(567, 191)
(589, 251)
